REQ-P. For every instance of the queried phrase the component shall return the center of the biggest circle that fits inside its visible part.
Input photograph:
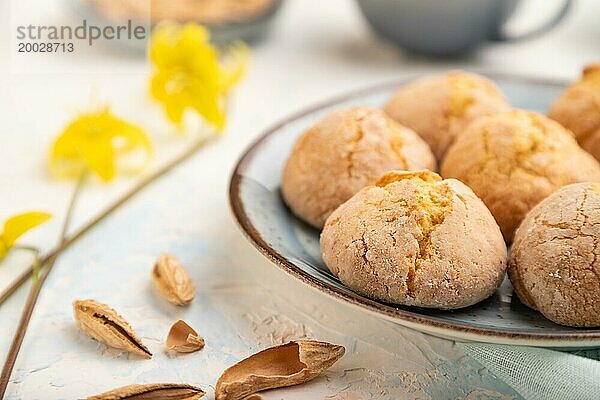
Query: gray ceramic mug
(446, 27)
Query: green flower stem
(36, 260)
(48, 260)
(35, 289)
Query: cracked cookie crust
(440, 107)
(555, 258)
(514, 160)
(415, 239)
(344, 152)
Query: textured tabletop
(243, 302)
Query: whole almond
(172, 280)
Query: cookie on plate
(345, 151)
(415, 239)
(578, 109)
(514, 160)
(555, 257)
(440, 107)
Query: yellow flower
(16, 226)
(190, 73)
(96, 141)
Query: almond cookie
(578, 109)
(415, 239)
(514, 160)
(440, 107)
(344, 152)
(555, 257)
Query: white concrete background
(317, 49)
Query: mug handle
(564, 10)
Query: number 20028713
(49, 47)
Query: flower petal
(66, 160)
(210, 108)
(3, 248)
(133, 148)
(95, 140)
(16, 226)
(174, 109)
(132, 138)
(99, 158)
(189, 74)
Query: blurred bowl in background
(251, 29)
(227, 20)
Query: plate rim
(424, 323)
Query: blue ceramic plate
(294, 246)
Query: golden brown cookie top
(433, 200)
(464, 88)
(515, 159)
(343, 152)
(578, 109)
(440, 107)
(413, 238)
